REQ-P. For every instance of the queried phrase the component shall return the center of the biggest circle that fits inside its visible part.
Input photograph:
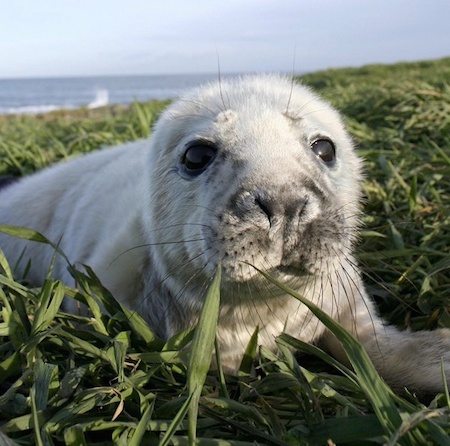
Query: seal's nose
(265, 206)
(286, 206)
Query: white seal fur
(252, 171)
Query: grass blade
(202, 348)
(136, 439)
(375, 388)
(176, 422)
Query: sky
(52, 38)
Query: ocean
(31, 96)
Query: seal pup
(250, 172)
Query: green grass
(66, 379)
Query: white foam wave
(101, 99)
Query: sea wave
(31, 109)
(42, 95)
(101, 99)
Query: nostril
(265, 207)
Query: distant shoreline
(43, 95)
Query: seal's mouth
(254, 275)
(288, 270)
(256, 287)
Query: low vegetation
(108, 379)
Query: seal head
(255, 173)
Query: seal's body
(252, 172)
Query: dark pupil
(324, 149)
(198, 157)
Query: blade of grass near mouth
(374, 387)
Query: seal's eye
(197, 157)
(325, 150)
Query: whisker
(219, 73)
(292, 82)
